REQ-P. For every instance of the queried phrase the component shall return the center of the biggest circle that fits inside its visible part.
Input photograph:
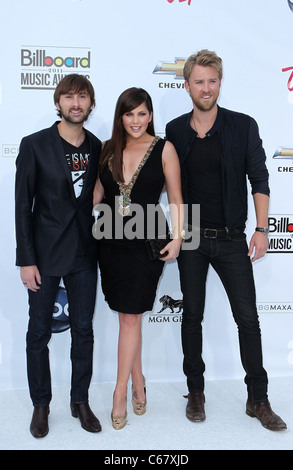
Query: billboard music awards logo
(43, 67)
(281, 233)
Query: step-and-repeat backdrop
(123, 43)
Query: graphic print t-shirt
(77, 159)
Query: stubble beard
(84, 116)
(205, 107)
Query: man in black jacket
(218, 150)
(56, 170)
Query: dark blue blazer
(49, 219)
(242, 157)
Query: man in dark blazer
(56, 171)
(218, 149)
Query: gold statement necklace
(125, 189)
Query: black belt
(219, 232)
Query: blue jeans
(228, 256)
(81, 287)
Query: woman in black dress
(134, 167)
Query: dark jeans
(81, 287)
(228, 256)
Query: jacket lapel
(58, 150)
(90, 163)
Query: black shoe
(195, 407)
(39, 424)
(87, 418)
(265, 414)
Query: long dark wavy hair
(127, 101)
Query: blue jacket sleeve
(25, 184)
(256, 169)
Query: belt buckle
(210, 230)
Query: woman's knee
(129, 320)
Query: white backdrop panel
(126, 41)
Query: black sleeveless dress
(129, 278)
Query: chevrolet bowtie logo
(171, 68)
(284, 152)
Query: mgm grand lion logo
(168, 302)
(172, 316)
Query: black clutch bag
(155, 245)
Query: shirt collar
(216, 126)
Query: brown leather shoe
(265, 414)
(195, 407)
(87, 418)
(39, 423)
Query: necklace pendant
(124, 206)
(124, 210)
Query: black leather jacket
(242, 156)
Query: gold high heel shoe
(139, 408)
(118, 422)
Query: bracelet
(179, 233)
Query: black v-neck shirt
(204, 177)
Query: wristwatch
(264, 230)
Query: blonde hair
(205, 58)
